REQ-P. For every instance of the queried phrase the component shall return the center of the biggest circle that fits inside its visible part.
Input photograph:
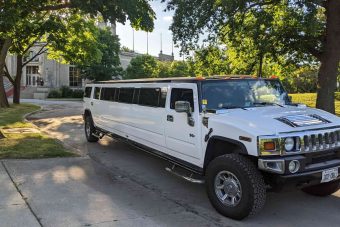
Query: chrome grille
(320, 141)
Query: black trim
(238, 143)
(176, 161)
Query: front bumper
(311, 166)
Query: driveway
(116, 184)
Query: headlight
(289, 143)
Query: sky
(162, 24)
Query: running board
(99, 136)
(187, 178)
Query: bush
(78, 94)
(54, 94)
(66, 92)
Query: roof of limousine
(182, 79)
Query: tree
(60, 41)
(211, 60)
(109, 65)
(142, 66)
(13, 14)
(181, 69)
(295, 29)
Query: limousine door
(182, 138)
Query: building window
(75, 78)
(31, 74)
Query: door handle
(170, 118)
(91, 103)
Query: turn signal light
(269, 146)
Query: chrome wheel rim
(87, 129)
(228, 188)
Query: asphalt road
(157, 197)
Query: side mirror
(183, 107)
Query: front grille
(320, 141)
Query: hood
(269, 120)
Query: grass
(26, 145)
(310, 100)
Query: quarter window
(182, 94)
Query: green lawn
(26, 145)
(310, 100)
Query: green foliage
(181, 69)
(65, 92)
(142, 66)
(211, 60)
(15, 145)
(109, 65)
(54, 94)
(274, 28)
(310, 100)
(146, 66)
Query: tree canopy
(19, 17)
(287, 31)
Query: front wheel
(90, 129)
(235, 187)
(324, 189)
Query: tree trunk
(4, 49)
(17, 81)
(330, 59)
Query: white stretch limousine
(240, 134)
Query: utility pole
(133, 40)
(147, 42)
(161, 44)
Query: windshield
(242, 94)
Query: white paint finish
(149, 125)
(178, 132)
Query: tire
(324, 189)
(90, 129)
(252, 196)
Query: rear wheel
(90, 129)
(324, 189)
(235, 187)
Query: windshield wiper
(267, 103)
(231, 107)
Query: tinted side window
(149, 96)
(125, 95)
(108, 94)
(135, 99)
(96, 93)
(87, 93)
(181, 94)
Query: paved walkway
(13, 209)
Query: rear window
(125, 95)
(87, 93)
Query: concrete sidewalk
(13, 208)
(79, 192)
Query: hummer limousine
(239, 135)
